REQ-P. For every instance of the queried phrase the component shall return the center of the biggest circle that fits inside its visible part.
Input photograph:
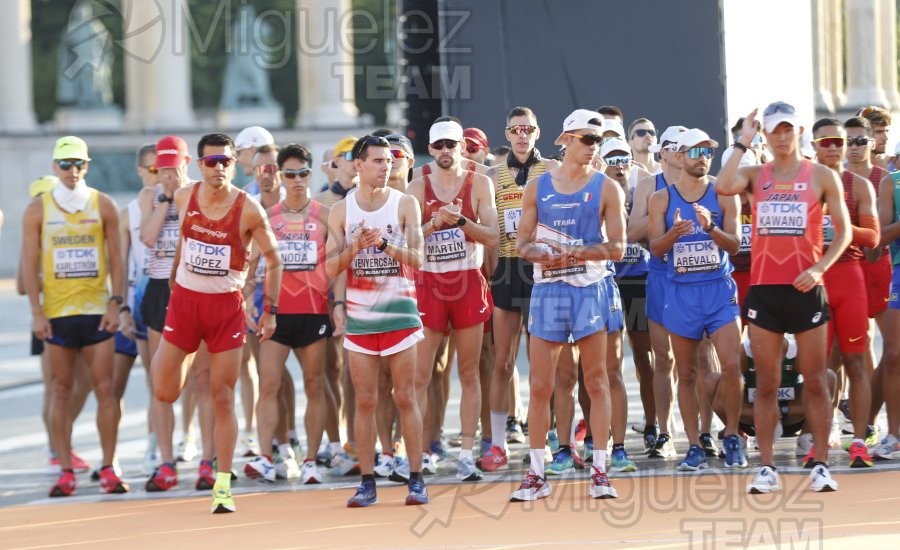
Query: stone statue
(85, 61)
(246, 75)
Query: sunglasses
(589, 139)
(697, 152)
(624, 160)
(525, 129)
(367, 142)
(830, 141)
(779, 107)
(399, 154)
(472, 149)
(65, 165)
(267, 169)
(152, 169)
(444, 144)
(859, 141)
(298, 173)
(644, 132)
(211, 161)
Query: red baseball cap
(476, 136)
(170, 152)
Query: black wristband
(124, 309)
(162, 197)
(117, 299)
(741, 146)
(709, 228)
(340, 303)
(383, 245)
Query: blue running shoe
(365, 496)
(562, 464)
(418, 494)
(621, 462)
(734, 453)
(694, 460)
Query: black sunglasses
(644, 132)
(444, 144)
(66, 165)
(588, 139)
(211, 161)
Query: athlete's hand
(365, 237)
(749, 128)
(250, 315)
(680, 227)
(266, 327)
(872, 254)
(41, 328)
(704, 218)
(339, 319)
(563, 253)
(110, 320)
(808, 280)
(126, 325)
(449, 214)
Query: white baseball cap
(446, 129)
(778, 112)
(692, 137)
(581, 119)
(253, 136)
(614, 144)
(668, 137)
(614, 125)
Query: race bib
(76, 262)
(372, 263)
(784, 394)
(746, 236)
(212, 260)
(167, 242)
(827, 229)
(633, 253)
(445, 245)
(299, 255)
(777, 218)
(696, 257)
(511, 219)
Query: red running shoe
(206, 477)
(580, 431)
(493, 460)
(65, 485)
(110, 483)
(163, 479)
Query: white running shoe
(886, 448)
(309, 473)
(766, 480)
(383, 465)
(428, 464)
(151, 461)
(821, 479)
(399, 470)
(187, 449)
(260, 468)
(248, 446)
(532, 488)
(287, 468)
(342, 464)
(804, 444)
(466, 471)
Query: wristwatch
(709, 228)
(462, 221)
(162, 197)
(270, 309)
(117, 299)
(383, 245)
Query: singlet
(138, 259)
(636, 262)
(787, 227)
(853, 252)
(304, 284)
(696, 258)
(162, 255)
(214, 258)
(571, 219)
(508, 196)
(659, 263)
(741, 260)
(449, 249)
(73, 259)
(381, 292)
(895, 246)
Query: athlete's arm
(32, 219)
(416, 188)
(733, 179)
(411, 224)
(727, 237)
(181, 202)
(867, 233)
(109, 213)
(661, 239)
(126, 322)
(832, 194)
(486, 229)
(250, 285)
(338, 254)
(890, 228)
(152, 217)
(261, 233)
(638, 221)
(525, 246)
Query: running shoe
(577, 460)
(588, 449)
(399, 470)
(600, 487)
(428, 463)
(324, 456)
(650, 436)
(206, 476)
(694, 460)
(438, 451)
(53, 466)
(343, 465)
(309, 473)
(821, 479)
(810, 457)
(187, 449)
(295, 445)
(859, 456)
(619, 461)
(562, 464)
(163, 479)
(734, 453)
(65, 485)
(886, 448)
(248, 447)
(804, 444)
(287, 468)
(365, 496)
(383, 464)
(664, 448)
(834, 436)
(110, 482)
(709, 446)
(418, 494)
(871, 436)
(580, 431)
(844, 407)
(79, 464)
(222, 502)
(260, 468)
(455, 441)
(485, 446)
(766, 480)
(466, 471)
(553, 441)
(514, 433)
(532, 488)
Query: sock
(415, 476)
(335, 448)
(600, 459)
(368, 478)
(818, 463)
(223, 479)
(537, 461)
(172, 465)
(151, 442)
(618, 446)
(292, 435)
(588, 441)
(285, 450)
(465, 453)
(498, 429)
(857, 440)
(773, 468)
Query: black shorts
(78, 331)
(783, 308)
(633, 291)
(787, 430)
(37, 345)
(511, 285)
(298, 330)
(156, 300)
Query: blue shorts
(616, 318)
(657, 283)
(564, 313)
(77, 331)
(693, 309)
(894, 300)
(125, 346)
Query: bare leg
(663, 365)
(312, 361)
(686, 362)
(224, 369)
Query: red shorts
(383, 343)
(849, 319)
(217, 319)
(878, 282)
(460, 298)
(742, 280)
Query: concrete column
(143, 33)
(325, 65)
(834, 23)
(822, 54)
(888, 20)
(864, 68)
(16, 98)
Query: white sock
(600, 459)
(292, 434)
(285, 450)
(335, 448)
(498, 429)
(465, 453)
(537, 461)
(151, 442)
(858, 440)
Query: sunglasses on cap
(644, 132)
(369, 141)
(522, 129)
(779, 107)
(830, 141)
(624, 160)
(444, 144)
(858, 141)
(66, 165)
(399, 154)
(697, 152)
(211, 161)
(268, 169)
(588, 139)
(295, 173)
(152, 169)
